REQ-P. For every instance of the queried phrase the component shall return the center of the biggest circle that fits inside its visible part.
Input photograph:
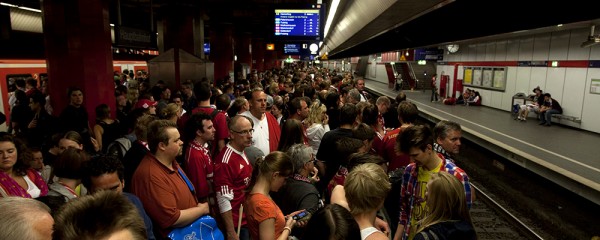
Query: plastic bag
(204, 228)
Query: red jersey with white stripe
(232, 177)
(199, 168)
(390, 154)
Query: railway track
(488, 224)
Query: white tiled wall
(569, 86)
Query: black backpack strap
(214, 114)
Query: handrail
(411, 72)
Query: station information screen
(206, 48)
(293, 49)
(297, 22)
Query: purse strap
(187, 181)
(3, 193)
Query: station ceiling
(364, 27)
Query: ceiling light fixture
(30, 9)
(8, 4)
(592, 39)
(20, 7)
(330, 16)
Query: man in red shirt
(232, 176)
(407, 114)
(198, 160)
(159, 181)
(203, 93)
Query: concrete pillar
(178, 29)
(244, 48)
(258, 54)
(78, 52)
(221, 49)
(199, 36)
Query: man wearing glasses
(232, 176)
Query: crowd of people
(300, 152)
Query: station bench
(556, 116)
(565, 117)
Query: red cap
(144, 103)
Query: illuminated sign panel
(297, 22)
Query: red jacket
(274, 132)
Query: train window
(11, 80)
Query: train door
(11, 85)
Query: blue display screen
(206, 48)
(297, 22)
(291, 49)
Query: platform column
(258, 54)
(244, 48)
(178, 29)
(199, 36)
(78, 52)
(221, 49)
(272, 58)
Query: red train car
(11, 69)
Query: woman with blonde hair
(448, 216)
(318, 124)
(133, 95)
(366, 188)
(265, 219)
(171, 112)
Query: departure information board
(297, 22)
(291, 49)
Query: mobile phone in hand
(300, 215)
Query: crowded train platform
(305, 119)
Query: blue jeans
(434, 94)
(548, 115)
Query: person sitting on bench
(538, 100)
(550, 107)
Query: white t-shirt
(364, 233)
(260, 137)
(32, 189)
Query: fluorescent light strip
(20, 7)
(332, 10)
(7, 4)
(30, 9)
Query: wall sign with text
(493, 78)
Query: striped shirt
(232, 176)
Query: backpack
(119, 147)
(515, 108)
